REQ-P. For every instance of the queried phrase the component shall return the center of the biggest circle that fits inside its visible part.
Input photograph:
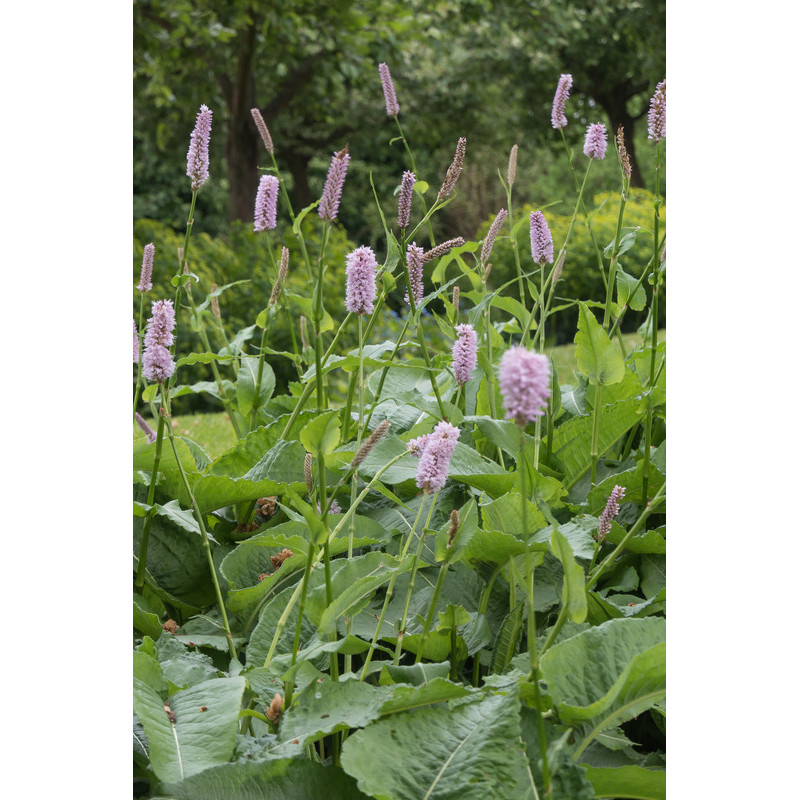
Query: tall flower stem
(654, 326)
(340, 525)
(483, 604)
(594, 454)
(318, 320)
(534, 660)
(612, 269)
(402, 629)
(416, 172)
(201, 524)
(390, 590)
(598, 250)
(142, 565)
(437, 590)
(487, 324)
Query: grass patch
(213, 432)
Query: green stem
(490, 372)
(595, 431)
(402, 629)
(515, 245)
(483, 604)
(426, 628)
(140, 569)
(318, 321)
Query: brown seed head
(373, 439)
(273, 713)
(170, 626)
(262, 129)
(623, 153)
(282, 270)
(441, 249)
(454, 170)
(278, 559)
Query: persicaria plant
(426, 569)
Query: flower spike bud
(657, 116)
(611, 510)
(334, 184)
(441, 249)
(524, 383)
(283, 270)
(488, 242)
(262, 129)
(215, 302)
(303, 332)
(404, 201)
(624, 159)
(456, 299)
(512, 166)
(265, 216)
(454, 523)
(392, 108)
(454, 170)
(146, 276)
(361, 289)
(595, 143)
(373, 439)
(559, 267)
(197, 157)
(307, 473)
(414, 259)
(558, 115)
(148, 431)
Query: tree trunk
(298, 166)
(243, 151)
(616, 108)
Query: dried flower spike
(435, 459)
(361, 268)
(611, 510)
(392, 108)
(465, 353)
(595, 144)
(441, 249)
(624, 159)
(454, 522)
(558, 115)
(273, 713)
(265, 216)
(283, 270)
(541, 239)
(488, 242)
(524, 383)
(170, 626)
(454, 170)
(157, 363)
(512, 165)
(146, 429)
(334, 184)
(657, 115)
(414, 259)
(279, 558)
(197, 157)
(373, 439)
(262, 129)
(146, 276)
(404, 201)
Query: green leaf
(327, 706)
(202, 358)
(301, 216)
(420, 187)
(607, 674)
(505, 515)
(438, 690)
(246, 385)
(629, 291)
(573, 593)
(321, 434)
(505, 645)
(598, 358)
(414, 674)
(469, 752)
(203, 733)
(279, 779)
(625, 244)
(634, 782)
(143, 619)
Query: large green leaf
(321, 434)
(246, 385)
(573, 593)
(328, 706)
(203, 733)
(505, 515)
(572, 441)
(280, 779)
(598, 358)
(632, 782)
(468, 751)
(438, 690)
(607, 674)
(505, 645)
(216, 491)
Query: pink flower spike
(146, 429)
(541, 240)
(197, 157)
(657, 116)
(611, 510)
(266, 204)
(414, 258)
(558, 115)
(334, 184)
(361, 290)
(146, 276)
(392, 107)
(435, 459)
(465, 353)
(157, 363)
(595, 144)
(524, 383)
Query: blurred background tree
(482, 69)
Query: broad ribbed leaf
(598, 358)
(246, 384)
(203, 733)
(283, 779)
(633, 782)
(505, 515)
(439, 690)
(321, 434)
(470, 751)
(573, 592)
(607, 674)
(505, 646)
